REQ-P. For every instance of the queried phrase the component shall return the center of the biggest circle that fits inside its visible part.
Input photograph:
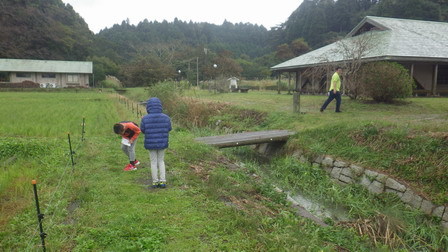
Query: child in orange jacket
(129, 132)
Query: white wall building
(49, 73)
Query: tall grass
(193, 113)
(405, 139)
(418, 157)
(384, 219)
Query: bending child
(156, 126)
(129, 132)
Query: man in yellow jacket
(334, 91)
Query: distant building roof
(392, 38)
(45, 66)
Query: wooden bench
(244, 90)
(443, 92)
(420, 92)
(423, 92)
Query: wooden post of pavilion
(278, 83)
(289, 82)
(434, 80)
(296, 93)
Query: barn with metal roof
(52, 73)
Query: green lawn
(95, 206)
(406, 139)
(426, 114)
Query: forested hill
(42, 29)
(129, 40)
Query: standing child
(129, 132)
(156, 126)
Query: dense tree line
(321, 22)
(184, 46)
(154, 51)
(42, 29)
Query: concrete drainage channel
(313, 210)
(375, 182)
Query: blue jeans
(331, 97)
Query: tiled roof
(45, 66)
(392, 39)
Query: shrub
(19, 147)
(110, 84)
(186, 112)
(283, 86)
(169, 93)
(23, 84)
(385, 81)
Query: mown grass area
(407, 139)
(212, 202)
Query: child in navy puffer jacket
(156, 126)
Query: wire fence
(60, 188)
(74, 145)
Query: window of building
(4, 77)
(48, 75)
(23, 75)
(72, 78)
(442, 75)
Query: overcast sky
(100, 14)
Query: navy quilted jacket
(155, 125)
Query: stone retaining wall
(376, 183)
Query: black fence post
(71, 151)
(39, 215)
(83, 128)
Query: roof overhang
(366, 20)
(367, 60)
(46, 66)
(391, 39)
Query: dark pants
(332, 96)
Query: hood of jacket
(154, 105)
